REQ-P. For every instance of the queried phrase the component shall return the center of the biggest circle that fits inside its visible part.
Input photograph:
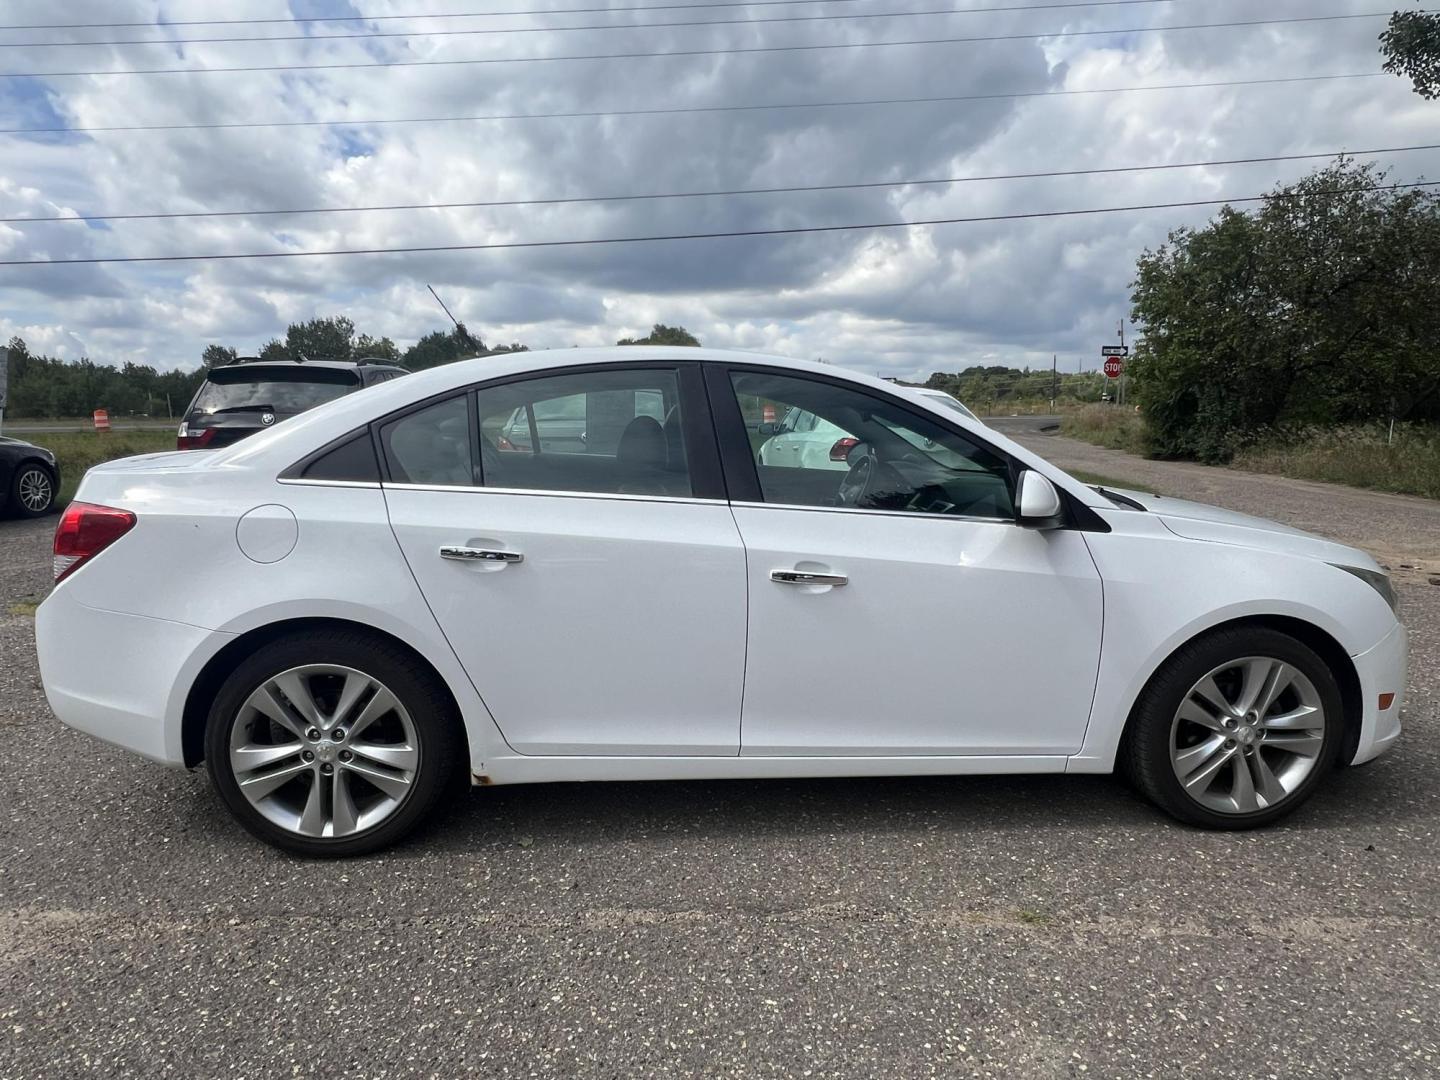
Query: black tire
(1145, 753)
(443, 760)
(23, 486)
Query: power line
(170, 216)
(793, 231)
(352, 65)
(587, 26)
(672, 110)
(490, 14)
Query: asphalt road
(1019, 927)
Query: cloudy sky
(902, 302)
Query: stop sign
(1114, 366)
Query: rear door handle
(469, 554)
(803, 577)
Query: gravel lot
(987, 926)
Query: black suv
(251, 395)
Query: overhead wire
(871, 226)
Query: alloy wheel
(35, 490)
(324, 751)
(1247, 735)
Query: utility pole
(1122, 370)
(1054, 379)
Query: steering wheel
(856, 483)
(873, 484)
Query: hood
(1213, 524)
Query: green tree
(1411, 47)
(660, 334)
(331, 338)
(274, 350)
(376, 348)
(217, 356)
(1318, 308)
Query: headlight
(1378, 581)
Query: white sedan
(345, 616)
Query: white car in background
(804, 440)
(348, 614)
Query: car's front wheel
(32, 491)
(332, 743)
(1237, 729)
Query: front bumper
(1382, 671)
(119, 677)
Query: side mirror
(767, 428)
(1037, 502)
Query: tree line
(41, 386)
(1319, 308)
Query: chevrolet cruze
(392, 594)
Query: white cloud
(899, 302)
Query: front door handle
(804, 577)
(469, 554)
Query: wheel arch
(1314, 637)
(213, 674)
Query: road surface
(996, 926)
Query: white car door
(913, 617)
(595, 597)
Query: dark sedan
(29, 478)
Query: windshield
(282, 390)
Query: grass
(25, 608)
(78, 450)
(1360, 456)
(1112, 426)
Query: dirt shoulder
(1402, 531)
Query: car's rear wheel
(332, 743)
(1237, 730)
(32, 491)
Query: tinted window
(353, 459)
(431, 445)
(279, 390)
(846, 448)
(614, 432)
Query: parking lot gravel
(1019, 927)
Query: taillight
(84, 531)
(188, 438)
(841, 450)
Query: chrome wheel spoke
(1303, 718)
(1189, 760)
(382, 703)
(1196, 713)
(312, 819)
(1306, 744)
(396, 756)
(1200, 780)
(346, 818)
(354, 688)
(1208, 691)
(393, 784)
(293, 685)
(268, 705)
(1242, 788)
(249, 758)
(258, 786)
(1266, 784)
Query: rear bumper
(118, 677)
(1382, 670)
